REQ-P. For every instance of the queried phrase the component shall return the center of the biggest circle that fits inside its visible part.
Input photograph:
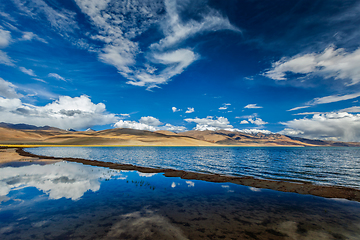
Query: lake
(339, 166)
(67, 200)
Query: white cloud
(254, 131)
(29, 36)
(61, 20)
(341, 126)
(244, 122)
(40, 80)
(190, 110)
(118, 23)
(124, 114)
(327, 99)
(174, 109)
(57, 76)
(59, 180)
(336, 63)
(151, 121)
(225, 106)
(65, 113)
(5, 59)
(297, 108)
(5, 38)
(350, 109)
(257, 121)
(29, 72)
(250, 106)
(173, 128)
(209, 123)
(150, 124)
(7, 89)
(134, 125)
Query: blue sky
(289, 67)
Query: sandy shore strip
(18, 154)
(9, 155)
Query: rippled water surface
(321, 165)
(67, 200)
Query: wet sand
(284, 186)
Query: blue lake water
(67, 200)
(321, 165)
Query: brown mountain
(223, 137)
(112, 137)
(31, 135)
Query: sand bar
(284, 186)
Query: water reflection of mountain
(62, 179)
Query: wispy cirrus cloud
(252, 106)
(162, 59)
(5, 38)
(57, 76)
(5, 59)
(333, 62)
(60, 19)
(327, 99)
(29, 72)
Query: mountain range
(23, 134)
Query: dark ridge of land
(284, 186)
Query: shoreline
(277, 185)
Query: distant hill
(28, 134)
(112, 137)
(26, 126)
(243, 139)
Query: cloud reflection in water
(58, 180)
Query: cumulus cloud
(331, 63)
(172, 128)
(225, 106)
(257, 121)
(59, 180)
(119, 23)
(327, 99)
(250, 106)
(134, 125)
(7, 89)
(174, 109)
(29, 72)
(340, 126)
(151, 121)
(150, 124)
(244, 122)
(57, 76)
(209, 123)
(65, 112)
(190, 110)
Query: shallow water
(70, 200)
(320, 165)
